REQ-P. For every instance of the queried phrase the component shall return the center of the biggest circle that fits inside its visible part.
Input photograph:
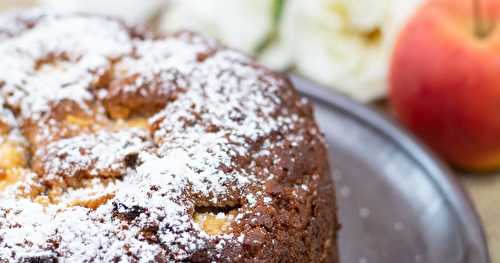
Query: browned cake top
(147, 149)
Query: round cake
(118, 145)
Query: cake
(118, 145)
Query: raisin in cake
(120, 146)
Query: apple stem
(478, 28)
(481, 29)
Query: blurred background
(432, 65)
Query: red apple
(445, 80)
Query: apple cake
(118, 145)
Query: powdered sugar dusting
(58, 58)
(104, 154)
(130, 195)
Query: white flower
(345, 44)
(243, 24)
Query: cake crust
(148, 148)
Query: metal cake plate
(397, 203)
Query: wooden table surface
(484, 189)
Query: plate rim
(440, 174)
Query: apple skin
(445, 82)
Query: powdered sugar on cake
(200, 150)
(59, 58)
(104, 154)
